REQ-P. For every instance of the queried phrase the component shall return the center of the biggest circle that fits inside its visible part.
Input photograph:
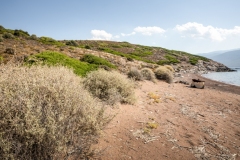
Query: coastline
(211, 84)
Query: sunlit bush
(111, 87)
(45, 113)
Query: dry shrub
(111, 87)
(170, 68)
(135, 74)
(45, 113)
(162, 73)
(148, 74)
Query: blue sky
(194, 26)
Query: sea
(226, 77)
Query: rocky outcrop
(202, 67)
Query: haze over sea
(226, 77)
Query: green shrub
(148, 74)
(20, 33)
(1, 27)
(72, 43)
(171, 59)
(46, 113)
(163, 62)
(33, 37)
(8, 35)
(55, 58)
(111, 87)
(130, 59)
(193, 60)
(1, 59)
(87, 47)
(89, 58)
(1, 38)
(162, 73)
(135, 74)
(50, 41)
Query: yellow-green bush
(163, 73)
(111, 87)
(45, 113)
(1, 59)
(148, 74)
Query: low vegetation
(33, 37)
(1, 59)
(72, 43)
(97, 61)
(20, 33)
(1, 38)
(46, 113)
(50, 41)
(54, 58)
(110, 87)
(148, 74)
(147, 54)
(163, 73)
(170, 68)
(8, 35)
(135, 74)
(131, 52)
(11, 34)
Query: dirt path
(173, 121)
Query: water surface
(226, 77)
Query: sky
(194, 26)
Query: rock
(183, 82)
(196, 83)
(177, 74)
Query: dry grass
(45, 113)
(135, 74)
(163, 73)
(155, 97)
(148, 74)
(170, 68)
(111, 87)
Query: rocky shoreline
(202, 67)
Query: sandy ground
(174, 121)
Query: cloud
(130, 34)
(101, 35)
(117, 36)
(149, 30)
(197, 30)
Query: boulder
(197, 83)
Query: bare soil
(174, 121)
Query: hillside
(53, 107)
(212, 54)
(230, 58)
(17, 45)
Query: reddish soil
(174, 121)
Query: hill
(17, 45)
(212, 54)
(230, 58)
(167, 121)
